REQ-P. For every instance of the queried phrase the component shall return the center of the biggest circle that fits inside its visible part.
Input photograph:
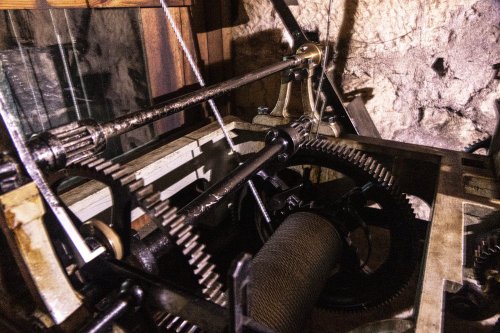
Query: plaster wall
(384, 50)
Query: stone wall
(386, 50)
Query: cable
(211, 102)
(78, 67)
(323, 70)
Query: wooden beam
(165, 61)
(48, 4)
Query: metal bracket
(239, 282)
(358, 122)
(281, 114)
(83, 252)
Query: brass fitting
(313, 52)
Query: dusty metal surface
(22, 223)
(139, 118)
(175, 164)
(7, 107)
(442, 266)
(453, 180)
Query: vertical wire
(323, 70)
(211, 102)
(65, 65)
(26, 70)
(78, 68)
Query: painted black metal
(282, 143)
(128, 299)
(164, 296)
(146, 252)
(352, 122)
(291, 24)
(131, 121)
(216, 193)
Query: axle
(77, 141)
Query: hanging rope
(323, 70)
(211, 102)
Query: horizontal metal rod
(215, 194)
(163, 295)
(139, 118)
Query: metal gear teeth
(483, 142)
(181, 233)
(487, 248)
(76, 140)
(377, 172)
(170, 323)
(172, 224)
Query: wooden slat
(214, 40)
(47, 4)
(165, 60)
(187, 35)
(189, 76)
(226, 30)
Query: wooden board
(47, 4)
(165, 61)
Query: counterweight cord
(211, 102)
(323, 70)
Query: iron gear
(354, 288)
(487, 263)
(68, 144)
(124, 184)
(483, 142)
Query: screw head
(263, 110)
(282, 157)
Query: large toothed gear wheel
(128, 191)
(482, 143)
(487, 263)
(375, 218)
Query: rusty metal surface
(139, 118)
(361, 119)
(7, 106)
(22, 224)
(449, 192)
(453, 180)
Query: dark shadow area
(239, 14)
(223, 14)
(250, 53)
(365, 93)
(344, 42)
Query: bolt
(330, 119)
(263, 110)
(282, 157)
(272, 135)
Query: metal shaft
(215, 194)
(136, 119)
(104, 320)
(211, 102)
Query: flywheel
(360, 197)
